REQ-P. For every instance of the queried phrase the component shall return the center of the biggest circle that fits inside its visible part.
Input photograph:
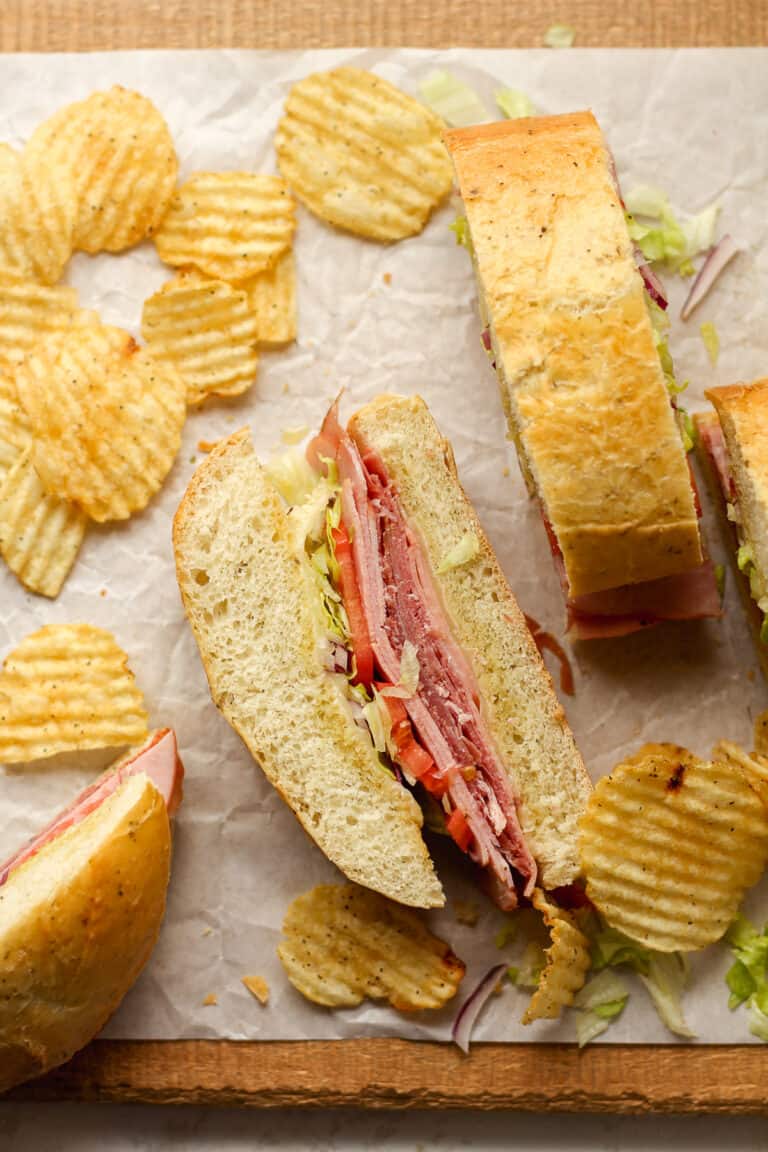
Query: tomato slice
(353, 604)
(457, 827)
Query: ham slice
(158, 758)
(401, 605)
(712, 438)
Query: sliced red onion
(461, 1033)
(486, 339)
(653, 285)
(717, 258)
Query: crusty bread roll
(78, 922)
(580, 376)
(523, 714)
(249, 599)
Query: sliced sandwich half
(733, 443)
(568, 324)
(80, 910)
(364, 643)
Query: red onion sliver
(486, 339)
(717, 258)
(461, 1033)
(653, 285)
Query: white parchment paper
(402, 319)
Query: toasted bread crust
(524, 716)
(580, 377)
(249, 598)
(78, 922)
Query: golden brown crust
(580, 376)
(78, 922)
(743, 413)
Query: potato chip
(106, 419)
(272, 299)
(343, 943)
(669, 845)
(29, 313)
(206, 330)
(754, 766)
(567, 962)
(67, 688)
(37, 216)
(117, 149)
(14, 429)
(230, 225)
(40, 535)
(362, 155)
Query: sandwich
(363, 641)
(733, 445)
(568, 323)
(80, 910)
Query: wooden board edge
(399, 1074)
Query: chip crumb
(206, 445)
(466, 912)
(210, 1001)
(258, 987)
(103, 592)
(505, 471)
(207, 931)
(387, 277)
(285, 388)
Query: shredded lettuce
(528, 973)
(687, 430)
(601, 1000)
(452, 99)
(720, 579)
(664, 974)
(291, 475)
(744, 557)
(711, 341)
(747, 978)
(559, 36)
(461, 553)
(460, 229)
(294, 435)
(507, 933)
(764, 629)
(514, 104)
(659, 233)
(646, 200)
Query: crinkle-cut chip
(206, 330)
(229, 225)
(343, 943)
(362, 155)
(272, 300)
(567, 962)
(40, 535)
(669, 845)
(754, 766)
(29, 314)
(118, 150)
(67, 688)
(14, 426)
(106, 419)
(37, 216)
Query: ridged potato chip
(118, 150)
(67, 688)
(669, 845)
(206, 330)
(362, 155)
(568, 961)
(106, 419)
(30, 313)
(272, 299)
(14, 428)
(229, 225)
(40, 535)
(343, 943)
(37, 216)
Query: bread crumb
(285, 388)
(103, 592)
(387, 277)
(210, 1001)
(258, 987)
(208, 931)
(505, 471)
(466, 912)
(206, 445)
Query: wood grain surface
(85, 25)
(393, 1073)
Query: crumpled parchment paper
(401, 318)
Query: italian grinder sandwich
(568, 324)
(364, 643)
(80, 910)
(733, 443)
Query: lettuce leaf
(662, 236)
(451, 98)
(601, 1000)
(460, 229)
(291, 474)
(513, 104)
(559, 36)
(747, 978)
(711, 341)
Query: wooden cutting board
(396, 1073)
